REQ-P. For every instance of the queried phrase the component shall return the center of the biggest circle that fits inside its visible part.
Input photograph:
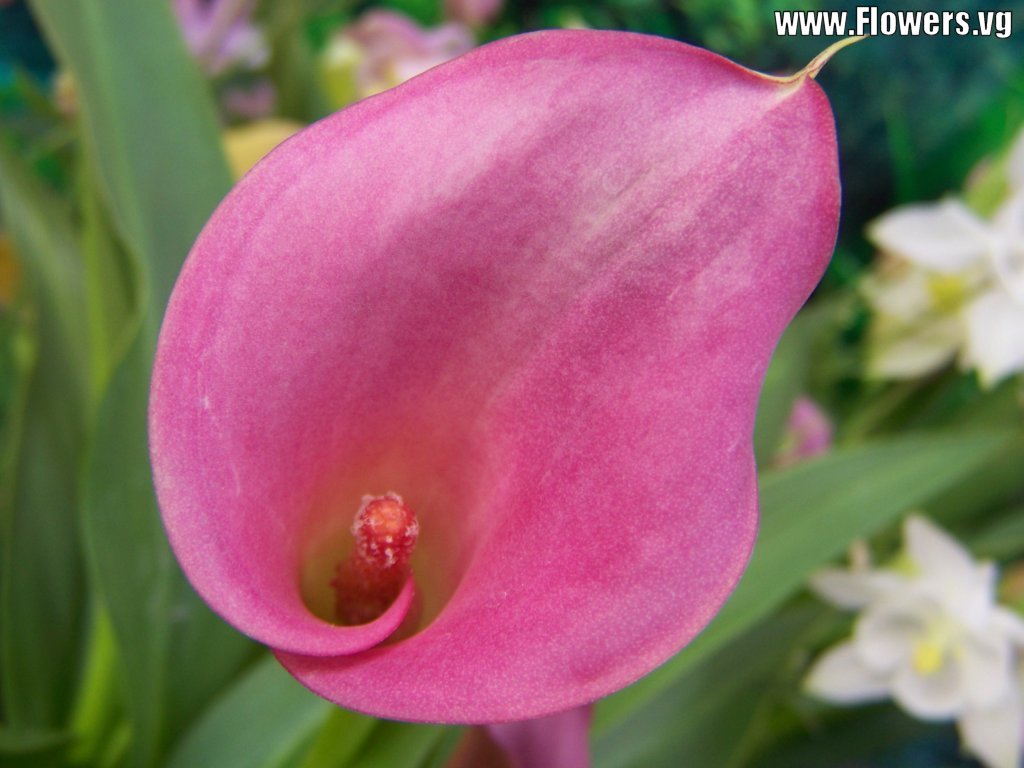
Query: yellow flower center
(948, 292)
(928, 655)
(940, 641)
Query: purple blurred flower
(808, 434)
(560, 739)
(221, 35)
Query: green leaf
(160, 624)
(445, 749)
(35, 748)
(258, 722)
(340, 739)
(400, 745)
(149, 122)
(809, 514)
(783, 383)
(201, 643)
(1003, 539)
(879, 735)
(17, 361)
(111, 282)
(41, 597)
(150, 129)
(992, 486)
(128, 551)
(94, 718)
(708, 713)
(15, 741)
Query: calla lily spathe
(534, 292)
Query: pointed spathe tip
(817, 63)
(814, 66)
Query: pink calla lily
(561, 739)
(534, 292)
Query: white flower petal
(937, 554)
(909, 349)
(987, 669)
(854, 589)
(967, 597)
(1015, 164)
(945, 237)
(939, 695)
(976, 598)
(995, 336)
(888, 630)
(839, 676)
(994, 735)
(898, 289)
(1008, 623)
(1007, 254)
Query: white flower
(953, 282)
(994, 734)
(931, 637)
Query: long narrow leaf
(809, 514)
(257, 723)
(783, 382)
(149, 120)
(111, 281)
(340, 739)
(400, 745)
(707, 712)
(150, 127)
(128, 552)
(41, 598)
